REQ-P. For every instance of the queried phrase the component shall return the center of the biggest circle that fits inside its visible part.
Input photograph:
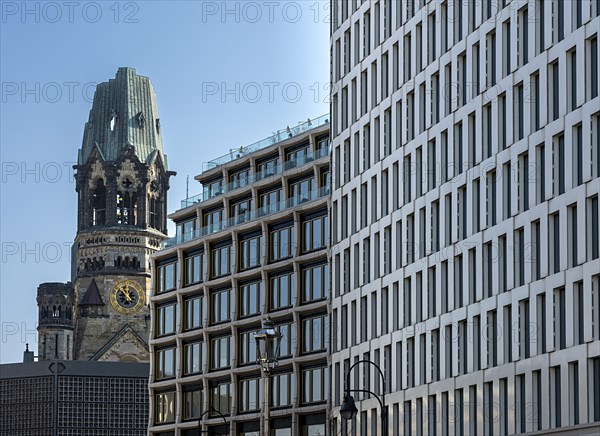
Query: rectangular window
(166, 276)
(240, 211)
(558, 310)
(192, 402)
(558, 164)
(578, 312)
(213, 220)
(220, 306)
(282, 242)
(577, 155)
(250, 251)
(282, 291)
(554, 90)
(247, 348)
(194, 268)
(537, 401)
(220, 261)
(555, 397)
(502, 118)
(523, 28)
(555, 254)
(194, 312)
(592, 225)
(166, 317)
(314, 334)
(220, 397)
(506, 56)
(574, 236)
(283, 392)
(572, 80)
(166, 363)
(192, 358)
(251, 298)
(315, 283)
(592, 66)
(315, 385)
(250, 394)
(272, 201)
(315, 233)
(267, 168)
(165, 407)
(519, 119)
(220, 350)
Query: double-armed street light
(348, 409)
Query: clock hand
(127, 296)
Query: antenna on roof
(187, 187)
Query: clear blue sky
(268, 63)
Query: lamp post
(348, 409)
(267, 352)
(201, 419)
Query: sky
(226, 74)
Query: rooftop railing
(248, 216)
(255, 177)
(276, 137)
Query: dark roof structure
(124, 114)
(92, 296)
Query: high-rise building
(253, 244)
(465, 240)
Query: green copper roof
(124, 113)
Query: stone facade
(122, 181)
(56, 325)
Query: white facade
(465, 242)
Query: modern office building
(253, 244)
(62, 397)
(466, 163)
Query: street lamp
(201, 419)
(348, 409)
(267, 352)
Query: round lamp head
(348, 409)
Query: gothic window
(126, 204)
(154, 207)
(99, 203)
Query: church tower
(55, 321)
(122, 181)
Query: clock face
(127, 297)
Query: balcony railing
(255, 177)
(278, 136)
(248, 216)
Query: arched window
(126, 204)
(99, 203)
(154, 207)
(55, 312)
(119, 262)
